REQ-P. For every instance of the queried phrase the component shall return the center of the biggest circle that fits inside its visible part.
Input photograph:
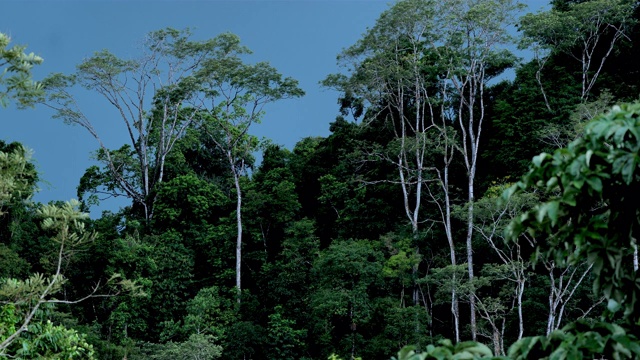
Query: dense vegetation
(421, 218)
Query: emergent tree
(236, 94)
(157, 96)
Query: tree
(272, 202)
(44, 340)
(288, 281)
(346, 275)
(392, 71)
(586, 31)
(17, 174)
(424, 64)
(15, 74)
(491, 219)
(591, 213)
(198, 346)
(238, 93)
(23, 299)
(284, 339)
(158, 96)
(25, 326)
(475, 35)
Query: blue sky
(300, 38)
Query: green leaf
(595, 183)
(613, 305)
(588, 156)
(538, 159)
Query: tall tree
(157, 96)
(237, 94)
(391, 73)
(419, 57)
(586, 31)
(474, 35)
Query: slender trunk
(455, 310)
(236, 179)
(544, 94)
(41, 300)
(470, 142)
(496, 341)
(635, 255)
(446, 212)
(585, 69)
(504, 322)
(520, 318)
(551, 318)
(416, 297)
(353, 334)
(472, 299)
(564, 297)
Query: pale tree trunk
(455, 308)
(497, 341)
(560, 293)
(470, 153)
(448, 158)
(541, 63)
(496, 333)
(470, 87)
(127, 88)
(472, 300)
(475, 43)
(447, 142)
(520, 292)
(445, 212)
(237, 166)
(515, 263)
(588, 50)
(236, 179)
(635, 254)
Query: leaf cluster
(15, 74)
(592, 211)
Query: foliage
(17, 174)
(283, 338)
(210, 312)
(24, 298)
(586, 31)
(580, 340)
(49, 341)
(335, 257)
(198, 346)
(595, 179)
(592, 213)
(15, 74)
(446, 350)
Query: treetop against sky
(299, 38)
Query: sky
(300, 38)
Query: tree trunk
(455, 309)
(497, 350)
(472, 299)
(520, 318)
(635, 255)
(236, 179)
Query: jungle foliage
(452, 213)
